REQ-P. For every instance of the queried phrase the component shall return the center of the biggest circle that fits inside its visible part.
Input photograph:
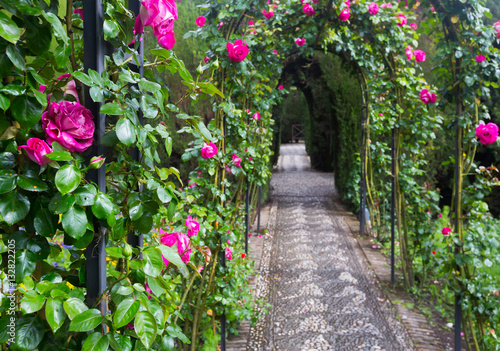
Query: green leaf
(125, 312)
(469, 81)
(136, 210)
(204, 131)
(172, 255)
(74, 222)
(54, 312)
(8, 29)
(120, 342)
(68, 177)
(60, 204)
(168, 145)
(96, 342)
(164, 195)
(28, 7)
(32, 302)
(112, 108)
(60, 156)
(82, 77)
(171, 207)
(31, 184)
(111, 29)
(125, 131)
(86, 321)
(40, 246)
(146, 328)
(97, 94)
(103, 206)
(57, 26)
(15, 57)
(118, 57)
(175, 330)
(29, 332)
(4, 102)
(85, 195)
(25, 264)
(209, 88)
(148, 86)
(8, 180)
(14, 207)
(74, 307)
(26, 110)
(153, 262)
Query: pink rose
(192, 184)
(308, 10)
(79, 12)
(138, 26)
(280, 87)
(256, 116)
(413, 26)
(432, 8)
(192, 225)
(401, 20)
(267, 15)
(180, 240)
(167, 41)
(209, 150)
(220, 25)
(236, 160)
(200, 21)
(238, 51)
(344, 14)
(148, 292)
(427, 97)
(300, 41)
(496, 26)
(487, 133)
(440, 215)
(409, 52)
(347, 3)
(480, 58)
(446, 231)
(419, 55)
(206, 59)
(275, 51)
(229, 253)
(250, 23)
(156, 12)
(70, 124)
(373, 8)
(36, 149)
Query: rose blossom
(229, 253)
(256, 116)
(496, 26)
(79, 12)
(200, 21)
(36, 149)
(344, 14)
(206, 59)
(347, 3)
(275, 51)
(236, 160)
(300, 41)
(70, 124)
(409, 52)
(373, 8)
(180, 240)
(427, 97)
(280, 87)
(267, 15)
(208, 150)
(250, 23)
(413, 26)
(160, 15)
(238, 51)
(401, 20)
(446, 231)
(487, 133)
(193, 226)
(308, 10)
(419, 55)
(480, 58)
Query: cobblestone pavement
(323, 295)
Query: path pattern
(323, 295)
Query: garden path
(322, 292)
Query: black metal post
(259, 204)
(247, 219)
(223, 316)
(362, 184)
(136, 239)
(95, 253)
(458, 199)
(393, 200)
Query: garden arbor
(163, 259)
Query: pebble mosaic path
(322, 293)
